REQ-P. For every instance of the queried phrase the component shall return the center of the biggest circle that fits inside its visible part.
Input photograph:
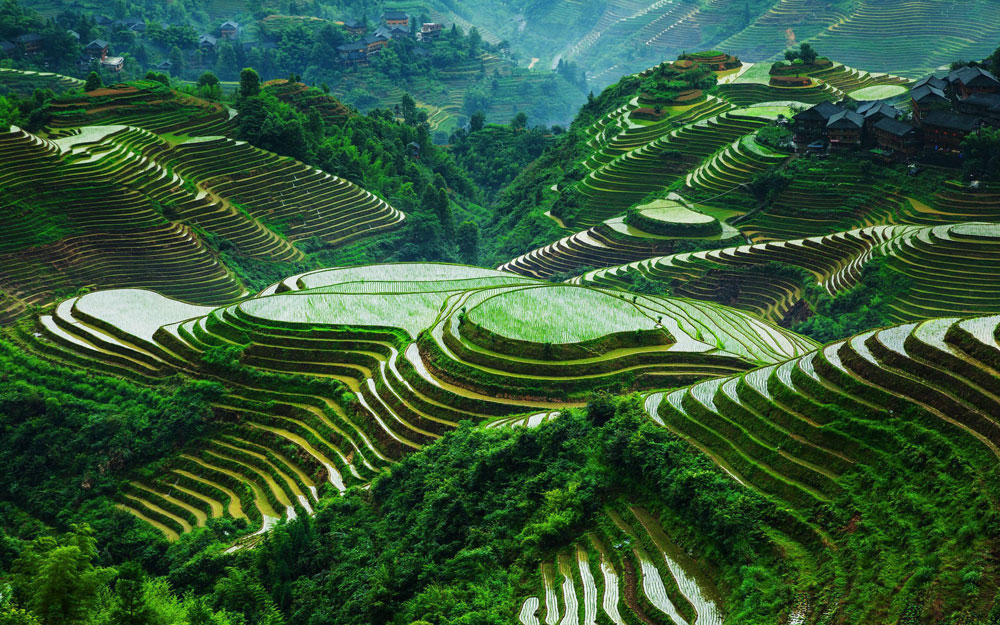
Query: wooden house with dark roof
(392, 32)
(374, 43)
(983, 105)
(944, 130)
(354, 53)
(925, 99)
(396, 18)
(354, 27)
(811, 123)
(31, 43)
(229, 30)
(898, 140)
(844, 130)
(933, 81)
(207, 42)
(873, 112)
(968, 80)
(876, 110)
(97, 49)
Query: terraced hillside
(911, 37)
(24, 82)
(147, 104)
(622, 239)
(803, 432)
(306, 99)
(947, 270)
(332, 375)
(116, 206)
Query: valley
(631, 312)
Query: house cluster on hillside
(944, 112)
(395, 25)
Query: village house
(354, 53)
(396, 18)
(844, 130)
(31, 43)
(897, 139)
(927, 98)
(164, 66)
(229, 30)
(391, 32)
(429, 31)
(874, 112)
(811, 123)
(113, 63)
(207, 42)
(374, 44)
(944, 130)
(7, 49)
(354, 27)
(983, 105)
(877, 110)
(97, 49)
(966, 81)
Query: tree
(467, 238)
(176, 58)
(208, 79)
(805, 53)
(58, 578)
(520, 122)
(226, 65)
(249, 82)
(409, 109)
(477, 121)
(442, 209)
(982, 152)
(93, 82)
(130, 605)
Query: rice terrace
(617, 312)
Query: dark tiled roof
(927, 93)
(97, 43)
(933, 81)
(821, 112)
(871, 109)
(7, 46)
(973, 77)
(395, 15)
(894, 127)
(370, 39)
(987, 101)
(951, 121)
(353, 24)
(845, 119)
(28, 38)
(348, 47)
(229, 25)
(209, 39)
